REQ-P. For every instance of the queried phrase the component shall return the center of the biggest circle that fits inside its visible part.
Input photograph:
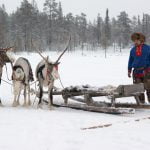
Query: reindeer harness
(24, 79)
(49, 76)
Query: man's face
(137, 42)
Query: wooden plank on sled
(129, 90)
(109, 110)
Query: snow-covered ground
(61, 128)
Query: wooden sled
(82, 98)
(88, 93)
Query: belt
(142, 68)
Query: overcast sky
(92, 7)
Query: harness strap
(30, 70)
(48, 74)
(40, 71)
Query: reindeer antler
(56, 62)
(63, 51)
(7, 49)
(42, 56)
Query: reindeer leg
(29, 101)
(40, 89)
(0, 101)
(25, 96)
(17, 92)
(50, 96)
(15, 95)
(1, 70)
(15, 101)
(0, 81)
(40, 95)
(18, 97)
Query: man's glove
(129, 74)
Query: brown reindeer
(5, 57)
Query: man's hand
(129, 74)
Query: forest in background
(29, 29)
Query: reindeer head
(18, 74)
(7, 55)
(11, 57)
(52, 69)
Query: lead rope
(61, 82)
(6, 82)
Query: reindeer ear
(11, 49)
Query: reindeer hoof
(1, 105)
(50, 107)
(29, 103)
(24, 105)
(15, 104)
(66, 104)
(39, 106)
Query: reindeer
(46, 74)
(5, 57)
(22, 76)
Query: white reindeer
(21, 76)
(46, 74)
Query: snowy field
(61, 128)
